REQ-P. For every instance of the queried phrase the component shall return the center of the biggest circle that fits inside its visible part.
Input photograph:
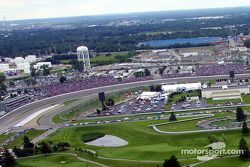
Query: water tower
(83, 56)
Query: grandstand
(15, 102)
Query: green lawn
(181, 126)
(245, 98)
(176, 98)
(222, 123)
(5, 136)
(111, 58)
(19, 141)
(52, 161)
(144, 143)
(60, 69)
(188, 125)
(227, 162)
(211, 101)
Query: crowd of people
(208, 70)
(99, 81)
(88, 83)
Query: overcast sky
(27, 9)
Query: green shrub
(92, 136)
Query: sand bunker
(108, 141)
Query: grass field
(176, 98)
(189, 125)
(211, 101)
(19, 141)
(227, 162)
(52, 161)
(181, 126)
(111, 58)
(144, 143)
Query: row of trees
(146, 72)
(115, 38)
(155, 88)
(43, 70)
(29, 148)
(247, 43)
(3, 87)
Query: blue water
(157, 43)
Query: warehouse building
(229, 92)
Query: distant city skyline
(27, 9)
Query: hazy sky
(26, 9)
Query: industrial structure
(83, 56)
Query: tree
(244, 154)
(2, 78)
(77, 65)
(62, 145)
(139, 74)
(110, 102)
(158, 88)
(45, 148)
(245, 129)
(247, 43)
(98, 111)
(152, 88)
(33, 71)
(7, 159)
(240, 116)
(172, 117)
(21, 152)
(172, 162)
(3, 87)
(147, 72)
(63, 79)
(45, 70)
(27, 143)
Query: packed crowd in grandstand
(99, 81)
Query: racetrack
(10, 119)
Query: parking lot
(135, 106)
(189, 105)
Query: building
(4, 67)
(17, 60)
(242, 49)
(220, 93)
(148, 95)
(30, 59)
(27, 59)
(15, 102)
(24, 67)
(181, 87)
(188, 54)
(83, 56)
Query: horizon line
(122, 13)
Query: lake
(158, 43)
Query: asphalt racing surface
(10, 119)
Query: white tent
(148, 95)
(181, 87)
